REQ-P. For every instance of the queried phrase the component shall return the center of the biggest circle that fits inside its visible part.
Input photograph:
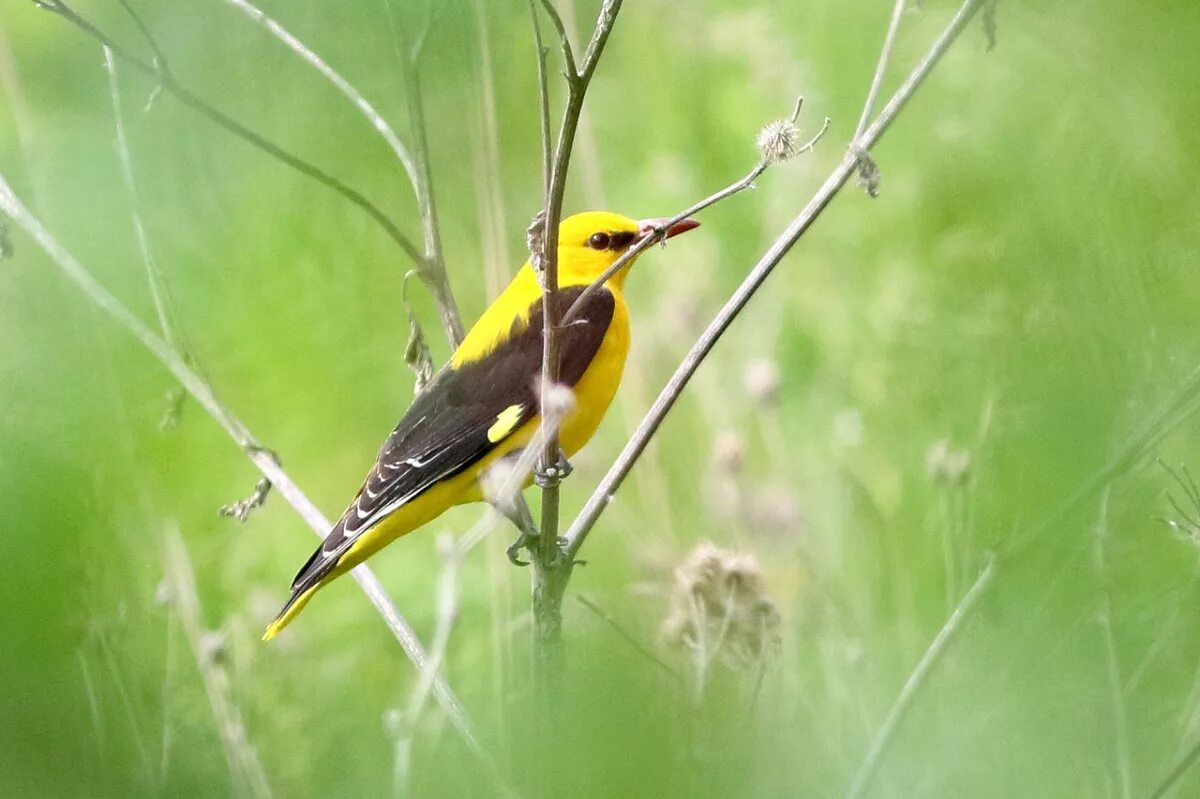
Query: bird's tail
(293, 606)
(312, 575)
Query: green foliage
(966, 365)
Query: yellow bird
(483, 405)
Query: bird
(482, 407)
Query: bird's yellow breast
(595, 390)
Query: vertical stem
(548, 585)
(550, 576)
(433, 264)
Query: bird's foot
(530, 540)
(551, 476)
(526, 540)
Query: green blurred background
(989, 358)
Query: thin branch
(167, 81)
(917, 678)
(549, 576)
(153, 275)
(433, 265)
(868, 170)
(1176, 773)
(240, 754)
(563, 39)
(344, 86)
(199, 389)
(595, 48)
(447, 612)
(607, 488)
(434, 268)
(659, 235)
(628, 637)
(885, 54)
(543, 88)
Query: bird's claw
(553, 475)
(524, 541)
(529, 541)
(564, 466)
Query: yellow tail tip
(294, 606)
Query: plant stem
(202, 392)
(168, 82)
(549, 575)
(608, 486)
(885, 53)
(916, 679)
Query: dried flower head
(214, 647)
(946, 464)
(761, 379)
(775, 511)
(1186, 522)
(778, 141)
(728, 451)
(720, 607)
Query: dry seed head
(214, 649)
(728, 451)
(778, 141)
(946, 464)
(719, 604)
(776, 512)
(761, 379)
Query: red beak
(648, 227)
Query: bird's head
(590, 242)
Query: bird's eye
(599, 241)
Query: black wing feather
(445, 430)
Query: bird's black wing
(461, 416)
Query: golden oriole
(483, 405)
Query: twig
(165, 79)
(153, 274)
(433, 265)
(659, 235)
(607, 488)
(447, 611)
(917, 678)
(543, 88)
(240, 754)
(202, 392)
(344, 86)
(241, 509)
(885, 53)
(1176, 773)
(548, 574)
(868, 170)
(628, 637)
(568, 54)
(110, 661)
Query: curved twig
(161, 73)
